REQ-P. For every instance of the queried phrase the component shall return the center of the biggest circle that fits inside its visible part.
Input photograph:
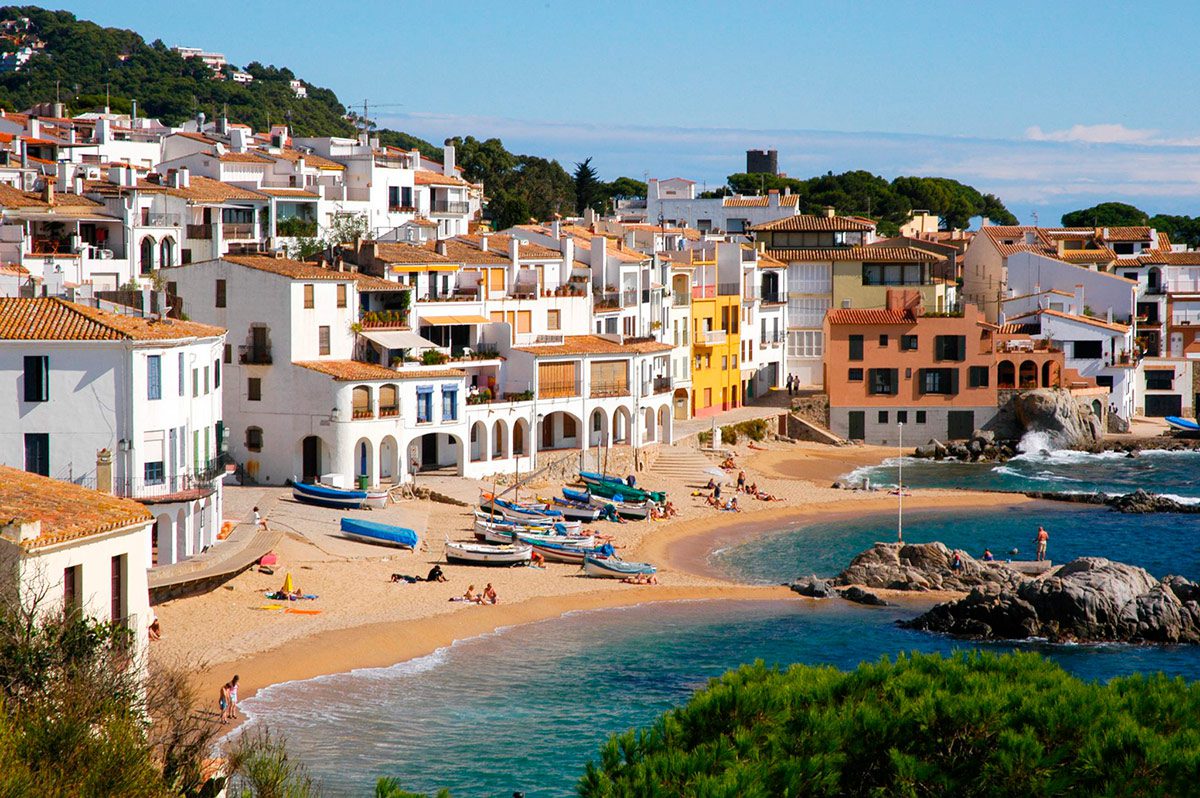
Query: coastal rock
(921, 567)
(1142, 502)
(813, 587)
(1055, 412)
(860, 596)
(1090, 599)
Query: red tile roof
(423, 177)
(66, 511)
(808, 223)
(1121, 328)
(869, 316)
(868, 254)
(594, 345)
(1127, 234)
(55, 319)
(785, 201)
(354, 371)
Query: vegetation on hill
(1181, 229)
(971, 724)
(861, 193)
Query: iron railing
(254, 355)
(200, 232)
(238, 231)
(450, 206)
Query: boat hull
(576, 511)
(1182, 424)
(609, 489)
(612, 568)
(326, 496)
(381, 534)
(474, 554)
(637, 511)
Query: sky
(1050, 105)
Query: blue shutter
(154, 377)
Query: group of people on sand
(229, 699)
(488, 596)
(641, 579)
(664, 511)
(435, 575)
(753, 490)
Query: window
(341, 295)
(855, 375)
(308, 296)
(449, 403)
(894, 274)
(216, 374)
(920, 416)
(227, 354)
(883, 340)
(1087, 350)
(939, 381)
(154, 377)
(254, 389)
(977, 377)
(806, 343)
(908, 343)
(1160, 379)
(724, 362)
(182, 376)
(856, 347)
(883, 416)
(154, 473)
(206, 375)
(71, 586)
(254, 439)
(568, 426)
(950, 347)
(220, 293)
(424, 404)
(195, 382)
(323, 340)
(554, 321)
(118, 588)
(902, 416)
(810, 278)
(883, 381)
(37, 378)
(37, 453)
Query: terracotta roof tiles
(66, 511)
(55, 319)
(353, 370)
(594, 345)
(424, 177)
(869, 316)
(868, 254)
(807, 223)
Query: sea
(523, 709)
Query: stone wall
(814, 409)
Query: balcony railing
(727, 289)
(606, 301)
(254, 355)
(660, 384)
(160, 220)
(773, 297)
(200, 232)
(231, 232)
(389, 412)
(558, 389)
(602, 389)
(402, 209)
(166, 486)
(450, 206)
(680, 300)
(629, 298)
(710, 337)
(1185, 319)
(360, 413)
(771, 339)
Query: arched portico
(560, 430)
(389, 454)
(440, 452)
(499, 440)
(621, 423)
(664, 424)
(479, 442)
(364, 458)
(598, 427)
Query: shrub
(729, 434)
(970, 724)
(432, 357)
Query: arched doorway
(1051, 376)
(181, 547)
(681, 404)
(436, 451)
(648, 427)
(479, 442)
(664, 425)
(313, 458)
(560, 430)
(520, 436)
(1097, 408)
(162, 545)
(597, 427)
(620, 425)
(1028, 375)
(389, 452)
(146, 259)
(364, 460)
(499, 440)
(166, 253)
(1006, 374)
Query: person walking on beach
(228, 699)
(1043, 537)
(233, 696)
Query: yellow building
(716, 323)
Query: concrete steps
(681, 462)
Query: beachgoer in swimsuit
(233, 696)
(489, 595)
(741, 481)
(223, 702)
(1043, 537)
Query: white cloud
(1093, 134)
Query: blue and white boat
(341, 498)
(517, 512)
(637, 511)
(581, 511)
(545, 526)
(565, 552)
(374, 532)
(615, 567)
(1182, 424)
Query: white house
(85, 386)
(75, 547)
(674, 203)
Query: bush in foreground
(970, 724)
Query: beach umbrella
(716, 472)
(287, 584)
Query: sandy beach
(366, 620)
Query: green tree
(260, 766)
(970, 724)
(625, 188)
(588, 188)
(1106, 214)
(1180, 229)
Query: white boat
(341, 498)
(615, 568)
(477, 554)
(638, 511)
(483, 521)
(503, 536)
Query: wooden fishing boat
(615, 567)
(341, 498)
(558, 552)
(503, 536)
(516, 512)
(581, 511)
(546, 526)
(610, 487)
(374, 532)
(477, 554)
(638, 511)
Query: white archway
(364, 458)
(648, 426)
(664, 424)
(620, 425)
(499, 440)
(181, 540)
(389, 453)
(520, 442)
(162, 549)
(598, 428)
(479, 442)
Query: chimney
(1030, 237)
(514, 252)
(567, 247)
(35, 127)
(830, 211)
(556, 228)
(1079, 300)
(183, 177)
(773, 198)
(104, 471)
(483, 241)
(48, 189)
(448, 160)
(237, 139)
(133, 114)
(24, 154)
(78, 184)
(103, 130)
(441, 248)
(18, 531)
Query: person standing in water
(1043, 537)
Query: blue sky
(1049, 105)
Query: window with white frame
(807, 311)
(810, 278)
(806, 343)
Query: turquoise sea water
(525, 708)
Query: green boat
(611, 487)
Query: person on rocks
(1043, 537)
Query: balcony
(254, 355)
(360, 413)
(629, 298)
(773, 297)
(160, 220)
(680, 300)
(238, 232)
(1185, 319)
(600, 390)
(606, 301)
(558, 389)
(711, 337)
(771, 340)
(389, 412)
(660, 384)
(450, 207)
(200, 232)
(402, 209)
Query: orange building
(933, 373)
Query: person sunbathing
(732, 506)
(711, 484)
(472, 596)
(669, 510)
(489, 595)
(728, 464)
(712, 501)
(763, 496)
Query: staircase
(682, 462)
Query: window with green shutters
(856, 347)
(950, 347)
(196, 451)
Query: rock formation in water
(860, 596)
(1090, 599)
(921, 566)
(1055, 412)
(1137, 502)
(812, 587)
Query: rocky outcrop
(1055, 412)
(1090, 599)
(813, 587)
(860, 596)
(921, 567)
(1137, 502)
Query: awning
(398, 339)
(435, 321)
